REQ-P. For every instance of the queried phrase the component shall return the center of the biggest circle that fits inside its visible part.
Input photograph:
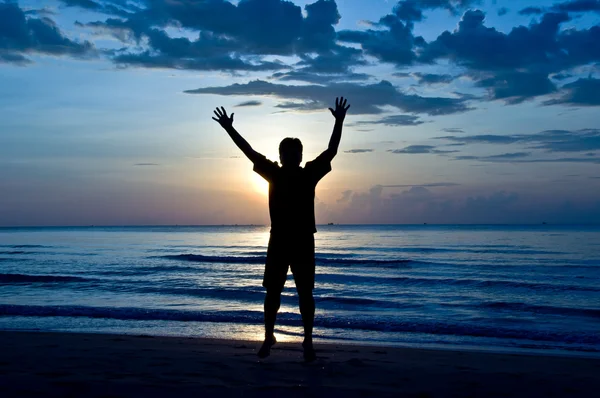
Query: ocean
(515, 288)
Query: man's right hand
(222, 118)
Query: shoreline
(36, 363)
(350, 342)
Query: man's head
(290, 152)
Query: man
(292, 211)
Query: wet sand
(97, 365)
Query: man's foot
(265, 349)
(309, 351)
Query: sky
(462, 111)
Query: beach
(103, 365)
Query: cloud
(393, 120)
(365, 98)
(432, 78)
(583, 92)
(111, 7)
(248, 103)
(416, 206)
(359, 150)
(396, 43)
(486, 49)
(453, 130)
(495, 158)
(412, 10)
(515, 66)
(414, 149)
(22, 35)
(146, 164)
(502, 11)
(420, 149)
(346, 195)
(319, 78)
(516, 87)
(548, 140)
(531, 11)
(482, 138)
(228, 34)
(428, 185)
(578, 6)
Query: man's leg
(307, 310)
(274, 280)
(272, 303)
(304, 276)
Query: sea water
(489, 287)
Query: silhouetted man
(292, 210)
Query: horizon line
(265, 225)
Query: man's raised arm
(227, 123)
(339, 113)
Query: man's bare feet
(265, 349)
(309, 351)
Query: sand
(96, 365)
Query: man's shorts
(295, 251)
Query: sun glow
(259, 184)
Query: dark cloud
(318, 78)
(583, 92)
(249, 103)
(420, 149)
(482, 139)
(395, 44)
(208, 52)
(111, 7)
(453, 130)
(412, 10)
(531, 11)
(505, 157)
(219, 63)
(414, 149)
(431, 78)
(549, 140)
(559, 160)
(516, 87)
(365, 99)
(22, 35)
(228, 34)
(487, 49)
(428, 185)
(359, 150)
(502, 11)
(578, 6)
(393, 120)
(515, 66)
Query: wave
(384, 324)
(482, 283)
(13, 252)
(24, 278)
(26, 246)
(199, 258)
(543, 309)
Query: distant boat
(544, 223)
(330, 223)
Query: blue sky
(463, 111)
